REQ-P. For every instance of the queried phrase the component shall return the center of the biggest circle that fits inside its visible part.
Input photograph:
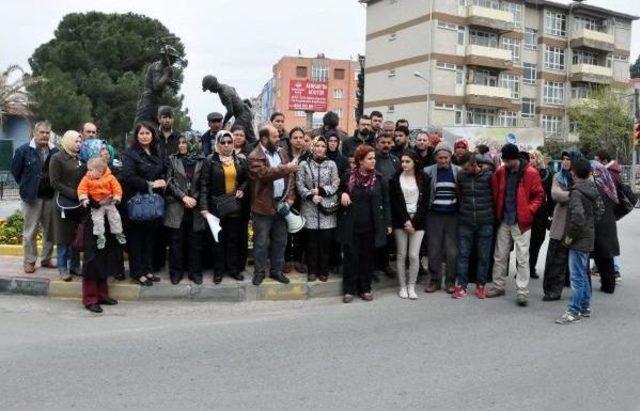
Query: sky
(238, 41)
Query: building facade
(516, 63)
(339, 75)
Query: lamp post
(419, 75)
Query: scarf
(193, 153)
(362, 179)
(225, 160)
(68, 142)
(604, 181)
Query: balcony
(590, 73)
(486, 17)
(583, 38)
(486, 96)
(488, 57)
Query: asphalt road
(391, 354)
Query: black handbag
(67, 205)
(626, 201)
(145, 207)
(226, 205)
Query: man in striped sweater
(442, 218)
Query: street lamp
(419, 75)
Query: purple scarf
(604, 181)
(362, 179)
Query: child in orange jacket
(101, 186)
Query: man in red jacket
(517, 195)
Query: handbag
(626, 201)
(145, 207)
(66, 204)
(226, 204)
(328, 205)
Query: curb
(13, 250)
(230, 292)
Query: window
(461, 35)
(508, 118)
(511, 82)
(445, 66)
(555, 23)
(481, 116)
(460, 75)
(443, 106)
(587, 23)
(530, 39)
(491, 4)
(581, 90)
(338, 111)
(552, 126)
(528, 107)
(391, 109)
(392, 73)
(320, 73)
(458, 120)
(584, 57)
(529, 73)
(392, 36)
(447, 26)
(316, 119)
(554, 58)
(301, 71)
(338, 93)
(553, 93)
(513, 45)
(516, 9)
(486, 78)
(300, 113)
(483, 38)
(338, 74)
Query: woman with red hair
(364, 222)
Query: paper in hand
(214, 225)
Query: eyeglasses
(226, 143)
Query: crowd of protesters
(441, 209)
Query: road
(391, 354)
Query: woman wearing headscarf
(342, 163)
(182, 216)
(364, 222)
(606, 245)
(556, 270)
(66, 171)
(317, 180)
(224, 193)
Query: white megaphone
(295, 222)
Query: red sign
(308, 95)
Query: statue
(159, 75)
(236, 107)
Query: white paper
(214, 225)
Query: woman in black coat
(363, 222)
(334, 154)
(409, 193)
(143, 170)
(182, 216)
(541, 217)
(226, 179)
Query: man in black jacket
(167, 136)
(364, 135)
(387, 165)
(215, 124)
(475, 224)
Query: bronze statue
(159, 75)
(236, 107)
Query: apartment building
(516, 63)
(339, 80)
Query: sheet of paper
(214, 225)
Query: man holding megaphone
(272, 194)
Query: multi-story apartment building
(515, 63)
(340, 77)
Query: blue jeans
(269, 241)
(68, 258)
(580, 286)
(472, 238)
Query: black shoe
(108, 301)
(119, 277)
(196, 278)
(534, 275)
(237, 276)
(280, 277)
(257, 279)
(94, 308)
(550, 297)
(154, 278)
(217, 278)
(175, 279)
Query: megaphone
(295, 222)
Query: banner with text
(308, 95)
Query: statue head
(210, 83)
(170, 54)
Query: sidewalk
(45, 282)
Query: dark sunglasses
(226, 142)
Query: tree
(635, 69)
(604, 122)
(93, 69)
(14, 98)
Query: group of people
(363, 199)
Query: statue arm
(161, 77)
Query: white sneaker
(403, 292)
(412, 292)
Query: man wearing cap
(167, 136)
(215, 124)
(442, 218)
(517, 196)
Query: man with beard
(424, 150)
(167, 137)
(400, 140)
(272, 194)
(376, 122)
(215, 124)
(364, 135)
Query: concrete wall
(410, 42)
(384, 14)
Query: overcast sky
(236, 40)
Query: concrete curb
(11, 250)
(229, 292)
